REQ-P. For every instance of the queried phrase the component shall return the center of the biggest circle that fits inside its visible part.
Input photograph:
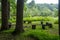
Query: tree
(55, 12)
(32, 4)
(0, 8)
(19, 18)
(4, 4)
(8, 9)
(59, 17)
(25, 1)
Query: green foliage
(36, 9)
(31, 13)
(12, 19)
(41, 35)
(56, 21)
(37, 18)
(13, 7)
(35, 34)
(25, 1)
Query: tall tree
(59, 17)
(4, 4)
(19, 18)
(8, 9)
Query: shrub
(39, 18)
(48, 19)
(12, 20)
(56, 21)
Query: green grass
(30, 34)
(42, 35)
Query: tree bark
(19, 17)
(8, 10)
(59, 17)
(4, 4)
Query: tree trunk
(4, 14)
(59, 17)
(8, 10)
(19, 18)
